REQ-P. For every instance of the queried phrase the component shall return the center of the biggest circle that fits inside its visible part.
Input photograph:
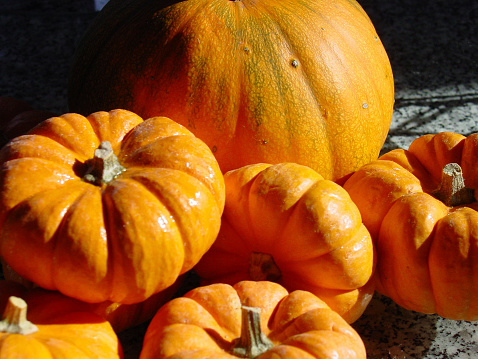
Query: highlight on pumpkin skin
(426, 209)
(250, 319)
(285, 223)
(149, 221)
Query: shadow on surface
(430, 44)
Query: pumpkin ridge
(279, 172)
(66, 345)
(197, 149)
(467, 250)
(158, 190)
(66, 130)
(162, 199)
(51, 236)
(24, 341)
(284, 232)
(59, 237)
(116, 215)
(29, 146)
(68, 335)
(209, 305)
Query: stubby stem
(15, 318)
(452, 191)
(252, 341)
(263, 267)
(104, 166)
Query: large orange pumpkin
(421, 208)
(250, 320)
(107, 207)
(257, 80)
(285, 223)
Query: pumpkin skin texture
(206, 321)
(151, 222)
(286, 224)
(73, 335)
(258, 81)
(427, 250)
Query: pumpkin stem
(15, 318)
(252, 341)
(452, 190)
(263, 267)
(104, 166)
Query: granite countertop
(433, 48)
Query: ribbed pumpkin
(107, 207)
(250, 320)
(420, 206)
(257, 80)
(286, 223)
(75, 335)
(44, 304)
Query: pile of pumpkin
(257, 169)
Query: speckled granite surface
(433, 47)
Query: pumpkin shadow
(420, 38)
(390, 331)
(436, 77)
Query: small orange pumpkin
(286, 223)
(250, 319)
(107, 207)
(44, 304)
(73, 335)
(420, 206)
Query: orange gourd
(107, 207)
(258, 81)
(250, 319)
(286, 223)
(44, 304)
(72, 335)
(420, 206)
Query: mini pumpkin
(73, 335)
(286, 223)
(107, 207)
(44, 304)
(420, 206)
(249, 320)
